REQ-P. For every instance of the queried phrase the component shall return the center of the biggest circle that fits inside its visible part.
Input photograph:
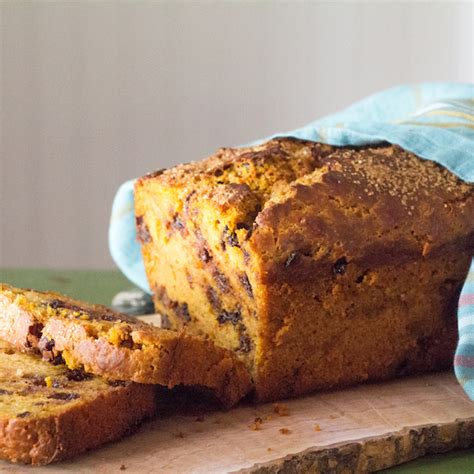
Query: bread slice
(49, 412)
(100, 341)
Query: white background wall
(94, 93)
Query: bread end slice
(49, 413)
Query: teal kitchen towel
(435, 121)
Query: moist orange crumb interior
(195, 222)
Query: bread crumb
(281, 409)
(426, 249)
(317, 427)
(269, 449)
(123, 467)
(180, 434)
(257, 424)
(284, 431)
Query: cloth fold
(433, 120)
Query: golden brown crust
(48, 413)
(115, 346)
(378, 205)
(319, 266)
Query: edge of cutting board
(377, 452)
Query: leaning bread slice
(115, 346)
(48, 412)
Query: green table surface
(99, 286)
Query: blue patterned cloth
(434, 121)
(464, 358)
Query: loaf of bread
(102, 342)
(319, 266)
(48, 412)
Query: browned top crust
(50, 412)
(310, 199)
(115, 346)
(372, 206)
(259, 168)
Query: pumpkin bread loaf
(100, 341)
(48, 412)
(319, 266)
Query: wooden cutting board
(362, 429)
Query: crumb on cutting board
(281, 409)
(257, 424)
(284, 431)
